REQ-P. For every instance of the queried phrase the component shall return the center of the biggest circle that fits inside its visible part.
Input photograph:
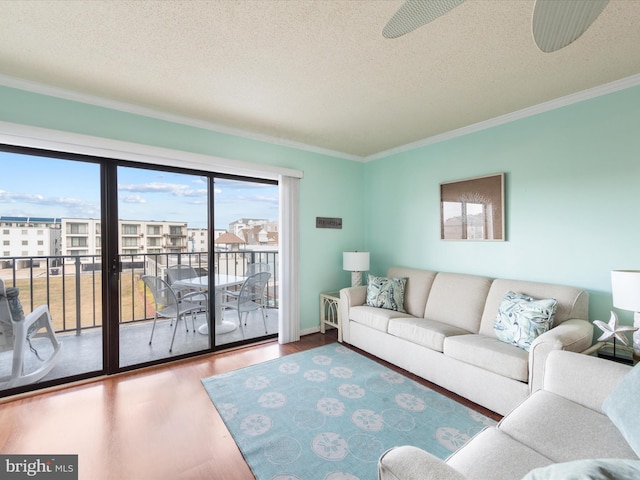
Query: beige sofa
(554, 430)
(447, 333)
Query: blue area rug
(329, 413)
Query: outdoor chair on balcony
(182, 272)
(169, 305)
(249, 298)
(252, 269)
(17, 331)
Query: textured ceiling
(315, 72)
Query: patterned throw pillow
(521, 319)
(386, 293)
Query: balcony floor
(83, 353)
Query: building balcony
(72, 287)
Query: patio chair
(249, 298)
(18, 330)
(252, 269)
(181, 272)
(169, 305)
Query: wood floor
(154, 424)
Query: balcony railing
(72, 285)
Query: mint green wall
(572, 202)
(572, 199)
(331, 187)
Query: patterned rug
(329, 413)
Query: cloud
(133, 199)
(174, 189)
(249, 200)
(68, 206)
(11, 197)
(238, 185)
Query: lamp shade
(355, 261)
(625, 287)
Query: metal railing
(72, 285)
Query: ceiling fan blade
(415, 13)
(556, 24)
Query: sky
(47, 187)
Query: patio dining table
(221, 282)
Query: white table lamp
(356, 263)
(625, 287)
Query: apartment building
(198, 239)
(29, 237)
(255, 231)
(49, 237)
(81, 236)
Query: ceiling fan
(555, 23)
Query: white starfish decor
(612, 329)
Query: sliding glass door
(246, 242)
(50, 268)
(133, 264)
(163, 286)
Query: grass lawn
(62, 299)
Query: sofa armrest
(574, 335)
(353, 296)
(583, 379)
(350, 297)
(412, 463)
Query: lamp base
(636, 334)
(356, 279)
(620, 355)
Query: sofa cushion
(417, 290)
(458, 300)
(490, 354)
(521, 319)
(545, 417)
(428, 333)
(493, 455)
(592, 469)
(572, 302)
(622, 406)
(373, 317)
(386, 292)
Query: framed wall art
(473, 209)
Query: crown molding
(43, 89)
(560, 102)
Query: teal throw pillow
(386, 292)
(521, 319)
(590, 469)
(622, 406)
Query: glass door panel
(50, 256)
(163, 254)
(245, 242)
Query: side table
(330, 312)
